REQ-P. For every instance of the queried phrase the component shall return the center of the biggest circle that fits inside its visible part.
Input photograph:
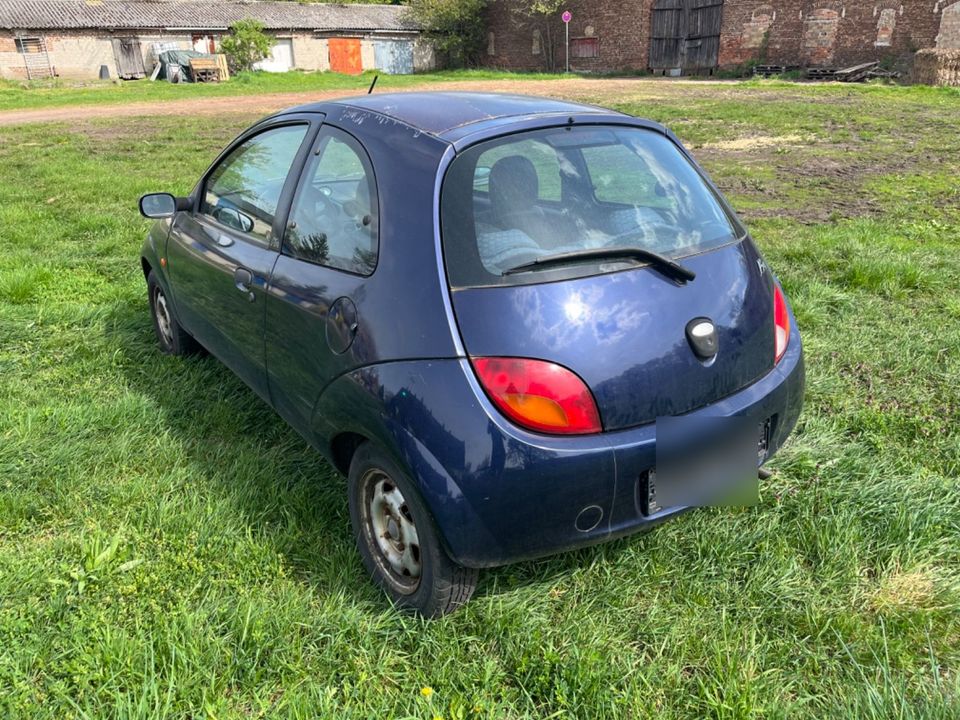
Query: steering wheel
(324, 196)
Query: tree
(456, 27)
(246, 44)
(542, 15)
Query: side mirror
(158, 206)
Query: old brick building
(703, 35)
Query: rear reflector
(781, 320)
(539, 395)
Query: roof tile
(162, 14)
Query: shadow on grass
(244, 453)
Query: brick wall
(783, 32)
(310, 52)
(824, 32)
(620, 29)
(11, 63)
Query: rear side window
(334, 220)
(513, 200)
(244, 190)
(622, 177)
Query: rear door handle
(243, 279)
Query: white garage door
(281, 58)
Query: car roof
(439, 113)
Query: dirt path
(572, 88)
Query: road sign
(567, 16)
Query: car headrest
(514, 185)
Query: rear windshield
(510, 201)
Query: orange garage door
(345, 56)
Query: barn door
(345, 56)
(667, 34)
(702, 46)
(394, 56)
(685, 34)
(129, 58)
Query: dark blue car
(485, 310)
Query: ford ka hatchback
(486, 311)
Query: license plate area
(719, 471)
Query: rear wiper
(662, 263)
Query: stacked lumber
(937, 67)
(222, 65)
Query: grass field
(169, 548)
(41, 94)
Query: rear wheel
(173, 339)
(398, 541)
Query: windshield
(508, 202)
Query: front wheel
(173, 339)
(398, 541)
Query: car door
(220, 255)
(330, 249)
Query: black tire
(173, 339)
(375, 481)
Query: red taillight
(539, 395)
(781, 322)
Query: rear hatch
(624, 333)
(619, 323)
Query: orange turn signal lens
(539, 395)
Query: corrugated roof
(153, 14)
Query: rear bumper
(528, 497)
(500, 494)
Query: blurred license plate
(705, 462)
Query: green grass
(169, 548)
(14, 96)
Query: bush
(456, 27)
(246, 44)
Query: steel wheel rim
(163, 317)
(392, 532)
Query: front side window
(510, 201)
(334, 220)
(244, 190)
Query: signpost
(567, 17)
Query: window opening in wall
(28, 45)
